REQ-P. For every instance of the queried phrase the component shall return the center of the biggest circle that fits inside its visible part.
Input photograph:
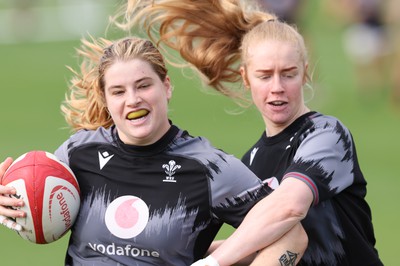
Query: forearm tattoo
(288, 258)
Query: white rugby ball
(50, 192)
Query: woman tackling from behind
(308, 158)
(126, 152)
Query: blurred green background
(38, 41)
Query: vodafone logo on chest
(127, 216)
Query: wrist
(210, 261)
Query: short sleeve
(234, 190)
(62, 153)
(324, 159)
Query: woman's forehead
(273, 49)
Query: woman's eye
(289, 75)
(265, 77)
(143, 86)
(117, 92)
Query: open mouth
(277, 103)
(137, 115)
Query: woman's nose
(134, 97)
(277, 85)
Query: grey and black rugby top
(160, 204)
(319, 150)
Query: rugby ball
(50, 192)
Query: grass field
(33, 81)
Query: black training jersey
(319, 150)
(160, 204)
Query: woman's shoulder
(199, 147)
(325, 121)
(321, 126)
(82, 136)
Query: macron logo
(253, 154)
(104, 157)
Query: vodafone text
(64, 210)
(127, 250)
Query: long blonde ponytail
(207, 34)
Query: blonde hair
(84, 106)
(212, 35)
(274, 30)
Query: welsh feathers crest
(170, 169)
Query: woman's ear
(103, 99)
(305, 76)
(168, 87)
(244, 77)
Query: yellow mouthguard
(137, 114)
